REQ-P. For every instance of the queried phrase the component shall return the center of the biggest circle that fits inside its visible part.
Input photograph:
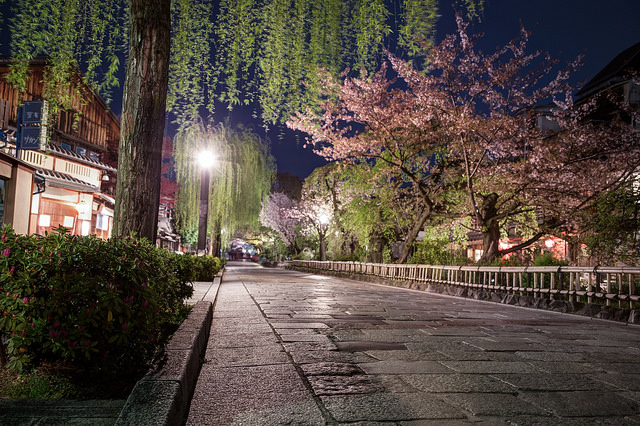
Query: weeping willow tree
(187, 56)
(239, 181)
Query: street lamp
(206, 160)
(324, 217)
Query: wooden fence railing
(601, 284)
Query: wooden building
(75, 165)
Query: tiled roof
(628, 59)
(63, 180)
(63, 152)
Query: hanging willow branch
(240, 180)
(237, 52)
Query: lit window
(81, 150)
(66, 146)
(45, 220)
(68, 222)
(86, 227)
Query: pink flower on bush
(87, 343)
(25, 300)
(13, 268)
(6, 252)
(124, 325)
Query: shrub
(436, 252)
(206, 267)
(86, 300)
(547, 259)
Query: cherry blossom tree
(372, 120)
(280, 213)
(524, 146)
(500, 127)
(316, 214)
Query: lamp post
(324, 218)
(206, 160)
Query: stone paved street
(295, 348)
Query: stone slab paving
(289, 348)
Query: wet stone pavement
(301, 349)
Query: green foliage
(611, 227)
(190, 76)
(69, 33)
(418, 29)
(86, 300)
(442, 245)
(206, 267)
(239, 181)
(268, 51)
(38, 386)
(547, 259)
(433, 252)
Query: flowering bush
(86, 300)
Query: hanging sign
(32, 112)
(30, 137)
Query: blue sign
(30, 137)
(32, 112)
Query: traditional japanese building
(72, 165)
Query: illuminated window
(68, 222)
(86, 227)
(45, 220)
(102, 222)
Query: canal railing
(612, 286)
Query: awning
(63, 180)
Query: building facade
(73, 168)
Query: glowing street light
(324, 217)
(206, 160)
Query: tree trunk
(413, 234)
(490, 228)
(376, 246)
(490, 241)
(143, 118)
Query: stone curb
(162, 396)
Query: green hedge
(87, 300)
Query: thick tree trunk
(376, 246)
(490, 241)
(413, 234)
(490, 228)
(143, 118)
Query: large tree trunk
(490, 241)
(413, 234)
(490, 228)
(143, 118)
